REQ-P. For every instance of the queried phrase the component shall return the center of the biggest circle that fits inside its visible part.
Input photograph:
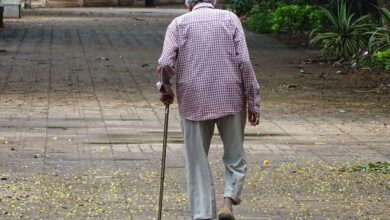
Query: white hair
(192, 3)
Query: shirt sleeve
(166, 63)
(251, 86)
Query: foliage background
(354, 32)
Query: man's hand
(167, 97)
(253, 118)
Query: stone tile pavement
(81, 130)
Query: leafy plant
(380, 38)
(272, 4)
(286, 18)
(296, 18)
(378, 167)
(346, 35)
(260, 21)
(383, 58)
(241, 7)
(266, 4)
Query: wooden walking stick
(163, 158)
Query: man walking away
(216, 85)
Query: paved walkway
(81, 131)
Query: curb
(106, 12)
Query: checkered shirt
(206, 50)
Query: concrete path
(81, 132)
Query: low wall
(109, 3)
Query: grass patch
(378, 167)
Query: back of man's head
(192, 3)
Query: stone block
(11, 8)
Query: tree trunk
(1, 16)
(360, 6)
(384, 4)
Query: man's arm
(166, 63)
(251, 86)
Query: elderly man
(216, 85)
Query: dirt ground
(314, 86)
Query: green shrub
(241, 7)
(383, 58)
(272, 4)
(260, 22)
(267, 4)
(347, 35)
(286, 18)
(296, 18)
(316, 18)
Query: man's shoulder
(232, 16)
(189, 16)
(227, 12)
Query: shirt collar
(203, 5)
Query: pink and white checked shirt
(206, 50)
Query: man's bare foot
(228, 203)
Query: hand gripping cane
(164, 155)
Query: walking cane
(164, 155)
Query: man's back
(206, 59)
(208, 50)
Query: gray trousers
(197, 138)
